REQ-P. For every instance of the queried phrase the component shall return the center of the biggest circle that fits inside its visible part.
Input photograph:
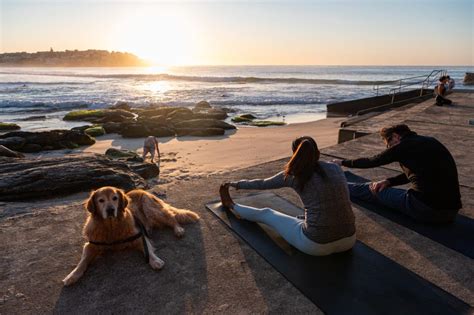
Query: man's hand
(376, 187)
(338, 162)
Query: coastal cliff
(72, 58)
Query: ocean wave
(40, 107)
(237, 79)
(253, 102)
(16, 106)
(210, 79)
(231, 103)
(24, 84)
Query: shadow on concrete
(122, 282)
(457, 267)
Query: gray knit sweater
(328, 211)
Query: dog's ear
(90, 203)
(123, 199)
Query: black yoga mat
(458, 235)
(360, 281)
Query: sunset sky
(367, 32)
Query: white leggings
(291, 229)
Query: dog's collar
(128, 239)
(141, 233)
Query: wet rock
(150, 112)
(8, 126)
(116, 115)
(4, 151)
(248, 116)
(31, 148)
(162, 121)
(13, 143)
(53, 139)
(162, 131)
(112, 127)
(85, 115)
(120, 154)
(146, 170)
(266, 123)
(82, 128)
(49, 177)
(158, 119)
(213, 113)
(180, 114)
(99, 115)
(203, 104)
(145, 130)
(95, 131)
(243, 118)
(135, 131)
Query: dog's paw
(70, 279)
(179, 231)
(156, 263)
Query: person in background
(150, 146)
(451, 83)
(440, 91)
(429, 167)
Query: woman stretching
(328, 225)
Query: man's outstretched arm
(386, 157)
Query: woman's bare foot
(227, 200)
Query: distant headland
(71, 58)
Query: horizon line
(151, 63)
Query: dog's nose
(110, 211)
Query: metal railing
(421, 82)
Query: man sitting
(434, 193)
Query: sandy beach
(184, 158)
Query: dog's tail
(184, 216)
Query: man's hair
(387, 132)
(442, 78)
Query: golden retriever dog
(119, 221)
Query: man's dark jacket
(426, 164)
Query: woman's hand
(230, 184)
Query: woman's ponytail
(304, 161)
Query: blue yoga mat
(458, 235)
(360, 281)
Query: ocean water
(38, 98)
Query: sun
(163, 38)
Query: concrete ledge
(400, 99)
